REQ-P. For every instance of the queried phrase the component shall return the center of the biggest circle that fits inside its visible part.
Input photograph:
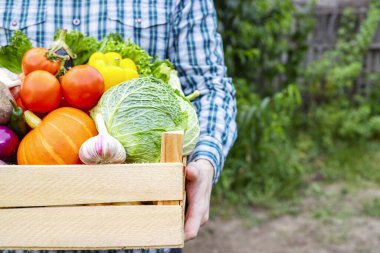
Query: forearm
(197, 53)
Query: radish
(8, 143)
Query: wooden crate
(95, 207)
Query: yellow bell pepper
(113, 68)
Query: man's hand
(199, 175)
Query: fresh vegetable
(192, 129)
(103, 148)
(115, 43)
(9, 79)
(17, 123)
(60, 48)
(138, 111)
(57, 139)
(5, 105)
(11, 55)
(8, 143)
(82, 47)
(82, 86)
(31, 119)
(113, 68)
(41, 91)
(36, 59)
(165, 71)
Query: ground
(328, 219)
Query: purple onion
(8, 143)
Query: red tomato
(41, 91)
(35, 59)
(82, 87)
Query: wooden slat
(171, 151)
(91, 227)
(172, 147)
(85, 184)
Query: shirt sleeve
(197, 53)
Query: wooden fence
(328, 13)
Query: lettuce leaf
(161, 69)
(11, 55)
(82, 46)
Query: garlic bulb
(103, 148)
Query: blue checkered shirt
(182, 31)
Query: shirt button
(14, 23)
(76, 21)
(138, 20)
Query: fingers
(193, 222)
(198, 187)
(205, 218)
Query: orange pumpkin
(57, 139)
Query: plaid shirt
(182, 31)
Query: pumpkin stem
(31, 119)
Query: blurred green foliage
(283, 139)
(335, 109)
(262, 164)
(265, 42)
(372, 208)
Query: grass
(353, 165)
(352, 162)
(372, 208)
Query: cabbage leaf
(137, 112)
(165, 71)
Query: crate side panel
(22, 186)
(91, 227)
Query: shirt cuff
(210, 149)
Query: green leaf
(11, 55)
(82, 46)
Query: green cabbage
(137, 112)
(192, 128)
(164, 70)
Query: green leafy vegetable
(192, 128)
(115, 43)
(137, 112)
(11, 55)
(162, 69)
(82, 46)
